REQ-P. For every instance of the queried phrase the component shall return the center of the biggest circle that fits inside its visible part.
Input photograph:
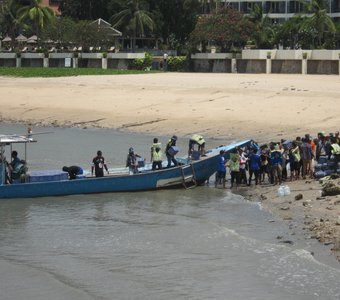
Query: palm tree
(290, 33)
(9, 22)
(318, 23)
(133, 19)
(264, 34)
(36, 13)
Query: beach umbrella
(32, 40)
(21, 38)
(7, 39)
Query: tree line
(183, 25)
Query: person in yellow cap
(198, 140)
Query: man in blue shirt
(254, 161)
(221, 170)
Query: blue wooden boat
(56, 183)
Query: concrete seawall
(249, 61)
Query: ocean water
(203, 243)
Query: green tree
(264, 33)
(227, 28)
(9, 23)
(60, 30)
(87, 35)
(175, 21)
(133, 19)
(336, 35)
(37, 14)
(318, 23)
(290, 34)
(85, 9)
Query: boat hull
(194, 172)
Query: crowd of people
(275, 162)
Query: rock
(306, 202)
(263, 197)
(284, 208)
(298, 197)
(320, 198)
(287, 242)
(330, 189)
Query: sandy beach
(222, 106)
(231, 106)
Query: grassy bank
(62, 72)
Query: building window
(275, 7)
(295, 7)
(248, 7)
(335, 6)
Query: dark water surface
(203, 243)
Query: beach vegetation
(177, 63)
(63, 72)
(144, 64)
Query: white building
(279, 10)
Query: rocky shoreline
(305, 209)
